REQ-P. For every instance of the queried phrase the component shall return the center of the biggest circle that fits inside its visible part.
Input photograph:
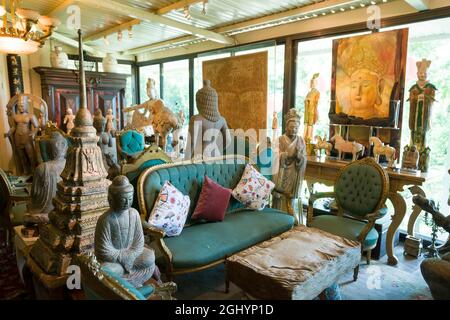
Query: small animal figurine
(322, 144)
(343, 146)
(380, 149)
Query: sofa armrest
(158, 236)
(312, 198)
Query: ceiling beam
(177, 5)
(61, 7)
(419, 5)
(301, 11)
(136, 13)
(74, 43)
(107, 32)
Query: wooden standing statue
(311, 114)
(421, 98)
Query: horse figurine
(323, 144)
(343, 146)
(380, 149)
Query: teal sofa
(206, 244)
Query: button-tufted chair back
(188, 177)
(361, 188)
(131, 142)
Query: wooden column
(290, 67)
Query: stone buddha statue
(45, 181)
(311, 103)
(290, 163)
(119, 238)
(23, 128)
(208, 130)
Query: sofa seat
(204, 243)
(349, 229)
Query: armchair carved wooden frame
(157, 235)
(374, 207)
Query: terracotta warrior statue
(421, 98)
(23, 128)
(69, 120)
(311, 114)
(45, 181)
(119, 238)
(290, 155)
(208, 130)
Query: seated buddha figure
(45, 181)
(119, 237)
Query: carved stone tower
(80, 199)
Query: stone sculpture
(410, 157)
(45, 181)
(110, 121)
(164, 121)
(343, 146)
(208, 130)
(106, 139)
(311, 113)
(291, 163)
(68, 120)
(119, 238)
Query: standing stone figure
(45, 181)
(311, 114)
(69, 120)
(119, 238)
(290, 163)
(110, 121)
(208, 130)
(23, 128)
(106, 139)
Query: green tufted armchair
(361, 190)
(130, 143)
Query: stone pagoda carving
(81, 198)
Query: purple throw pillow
(213, 201)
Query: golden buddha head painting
(366, 73)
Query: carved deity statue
(410, 157)
(119, 238)
(208, 130)
(110, 121)
(164, 121)
(23, 128)
(311, 113)
(45, 181)
(69, 120)
(421, 98)
(291, 161)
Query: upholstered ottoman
(299, 264)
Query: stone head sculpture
(120, 194)
(208, 102)
(58, 146)
(422, 67)
(293, 120)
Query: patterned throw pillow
(253, 190)
(170, 210)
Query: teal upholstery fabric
(345, 227)
(207, 242)
(132, 142)
(265, 162)
(238, 146)
(44, 148)
(189, 179)
(359, 189)
(141, 293)
(146, 291)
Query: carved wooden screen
(241, 83)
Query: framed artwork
(368, 78)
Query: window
(146, 72)
(176, 86)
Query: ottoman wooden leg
(355, 273)
(368, 256)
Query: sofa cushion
(205, 243)
(189, 178)
(344, 227)
(213, 201)
(253, 190)
(170, 210)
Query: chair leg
(368, 255)
(355, 273)
(227, 281)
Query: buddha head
(292, 119)
(99, 121)
(208, 102)
(22, 104)
(422, 67)
(58, 146)
(151, 89)
(120, 194)
(366, 88)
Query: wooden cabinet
(60, 90)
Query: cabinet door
(105, 99)
(65, 98)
